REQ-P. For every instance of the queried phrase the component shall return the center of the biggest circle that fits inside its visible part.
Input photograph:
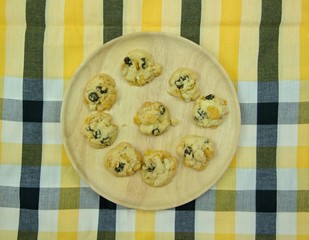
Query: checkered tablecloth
(264, 47)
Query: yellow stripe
(15, 38)
(151, 15)
(304, 42)
(229, 37)
(132, 16)
(249, 40)
(289, 40)
(210, 26)
(73, 54)
(144, 225)
(73, 36)
(53, 40)
(2, 55)
(2, 39)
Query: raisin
(162, 109)
(184, 78)
(144, 62)
(151, 167)
(201, 113)
(93, 97)
(179, 83)
(156, 131)
(210, 97)
(106, 141)
(99, 89)
(187, 151)
(127, 61)
(96, 133)
(120, 167)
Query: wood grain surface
(172, 52)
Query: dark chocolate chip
(127, 61)
(210, 97)
(156, 131)
(93, 97)
(151, 167)
(120, 167)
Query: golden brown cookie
(209, 111)
(99, 129)
(196, 151)
(183, 84)
(159, 168)
(138, 67)
(100, 93)
(123, 160)
(153, 118)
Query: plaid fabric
(264, 47)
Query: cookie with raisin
(158, 168)
(99, 129)
(100, 93)
(183, 84)
(196, 151)
(153, 118)
(123, 160)
(209, 111)
(138, 67)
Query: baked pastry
(99, 129)
(183, 84)
(158, 168)
(100, 93)
(123, 160)
(153, 118)
(138, 67)
(209, 111)
(196, 151)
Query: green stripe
(191, 20)
(267, 103)
(33, 93)
(34, 39)
(112, 13)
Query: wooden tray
(172, 52)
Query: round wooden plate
(172, 52)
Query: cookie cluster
(157, 167)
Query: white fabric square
(50, 177)
(10, 175)
(245, 179)
(286, 223)
(247, 136)
(289, 91)
(247, 92)
(287, 135)
(125, 220)
(9, 219)
(286, 179)
(13, 88)
(48, 220)
(245, 222)
(52, 133)
(12, 132)
(88, 219)
(165, 221)
(204, 222)
(53, 90)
